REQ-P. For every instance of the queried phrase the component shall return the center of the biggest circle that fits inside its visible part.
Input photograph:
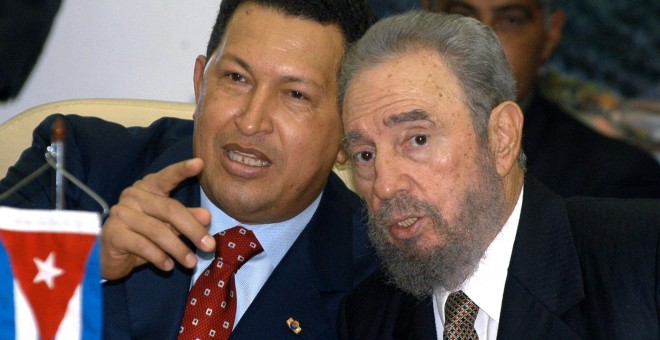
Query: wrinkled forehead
(416, 80)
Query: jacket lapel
(311, 279)
(544, 278)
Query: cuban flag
(50, 278)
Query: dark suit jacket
(584, 268)
(574, 160)
(328, 259)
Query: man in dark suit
(470, 245)
(265, 136)
(562, 152)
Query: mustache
(402, 204)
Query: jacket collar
(544, 278)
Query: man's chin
(418, 269)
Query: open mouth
(407, 228)
(407, 222)
(247, 158)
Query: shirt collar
(486, 286)
(275, 238)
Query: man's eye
(298, 95)
(236, 77)
(510, 22)
(364, 156)
(420, 140)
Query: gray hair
(471, 49)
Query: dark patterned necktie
(460, 314)
(211, 307)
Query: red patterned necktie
(211, 307)
(460, 314)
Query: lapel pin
(294, 326)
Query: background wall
(119, 49)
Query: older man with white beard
(471, 247)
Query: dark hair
(353, 17)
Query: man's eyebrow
(242, 63)
(409, 116)
(285, 79)
(302, 80)
(460, 4)
(515, 7)
(350, 138)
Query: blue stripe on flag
(92, 318)
(7, 321)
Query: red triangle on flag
(48, 267)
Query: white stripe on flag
(70, 328)
(25, 324)
(52, 221)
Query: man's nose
(257, 115)
(391, 176)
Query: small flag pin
(294, 326)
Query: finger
(165, 180)
(190, 222)
(131, 233)
(116, 262)
(161, 220)
(203, 241)
(158, 243)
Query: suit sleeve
(37, 194)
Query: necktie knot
(236, 245)
(460, 314)
(211, 307)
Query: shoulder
(378, 309)
(375, 292)
(87, 132)
(105, 155)
(573, 159)
(341, 206)
(616, 238)
(618, 246)
(93, 126)
(337, 190)
(615, 219)
(375, 297)
(339, 229)
(560, 128)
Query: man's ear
(505, 135)
(554, 33)
(198, 76)
(342, 157)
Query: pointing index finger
(164, 181)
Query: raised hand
(144, 226)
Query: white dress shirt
(486, 286)
(275, 238)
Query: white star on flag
(47, 272)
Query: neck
(513, 183)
